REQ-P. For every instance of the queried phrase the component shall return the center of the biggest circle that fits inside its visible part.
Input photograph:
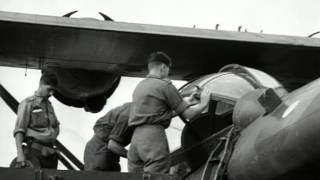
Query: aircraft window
(228, 85)
(223, 108)
(265, 79)
(190, 87)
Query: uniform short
(98, 157)
(149, 151)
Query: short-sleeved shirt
(36, 119)
(154, 101)
(114, 125)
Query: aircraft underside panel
(33, 41)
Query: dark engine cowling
(84, 89)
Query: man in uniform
(111, 135)
(155, 102)
(37, 128)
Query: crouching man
(111, 135)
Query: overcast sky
(288, 17)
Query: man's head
(47, 84)
(159, 63)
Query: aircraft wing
(37, 41)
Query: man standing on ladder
(154, 102)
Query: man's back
(112, 126)
(105, 124)
(153, 101)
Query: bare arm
(192, 99)
(192, 111)
(20, 129)
(20, 155)
(117, 148)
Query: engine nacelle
(83, 88)
(248, 109)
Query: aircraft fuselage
(282, 144)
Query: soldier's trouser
(38, 159)
(149, 151)
(98, 157)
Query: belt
(45, 150)
(39, 146)
(151, 126)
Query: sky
(286, 17)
